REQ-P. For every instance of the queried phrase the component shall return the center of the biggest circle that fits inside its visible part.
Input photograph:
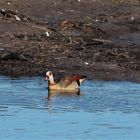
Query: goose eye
(50, 74)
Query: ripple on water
(103, 110)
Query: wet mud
(94, 37)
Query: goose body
(69, 83)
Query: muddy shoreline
(100, 39)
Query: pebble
(86, 63)
(9, 3)
(132, 18)
(2, 49)
(17, 18)
(47, 33)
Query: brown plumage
(69, 83)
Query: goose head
(49, 76)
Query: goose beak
(46, 78)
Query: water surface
(103, 111)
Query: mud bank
(98, 38)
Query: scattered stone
(132, 18)
(74, 37)
(17, 18)
(9, 2)
(86, 63)
(47, 33)
(2, 49)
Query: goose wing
(66, 81)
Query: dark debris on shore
(93, 46)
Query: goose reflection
(53, 93)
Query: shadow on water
(101, 110)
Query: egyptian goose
(69, 83)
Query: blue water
(102, 111)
